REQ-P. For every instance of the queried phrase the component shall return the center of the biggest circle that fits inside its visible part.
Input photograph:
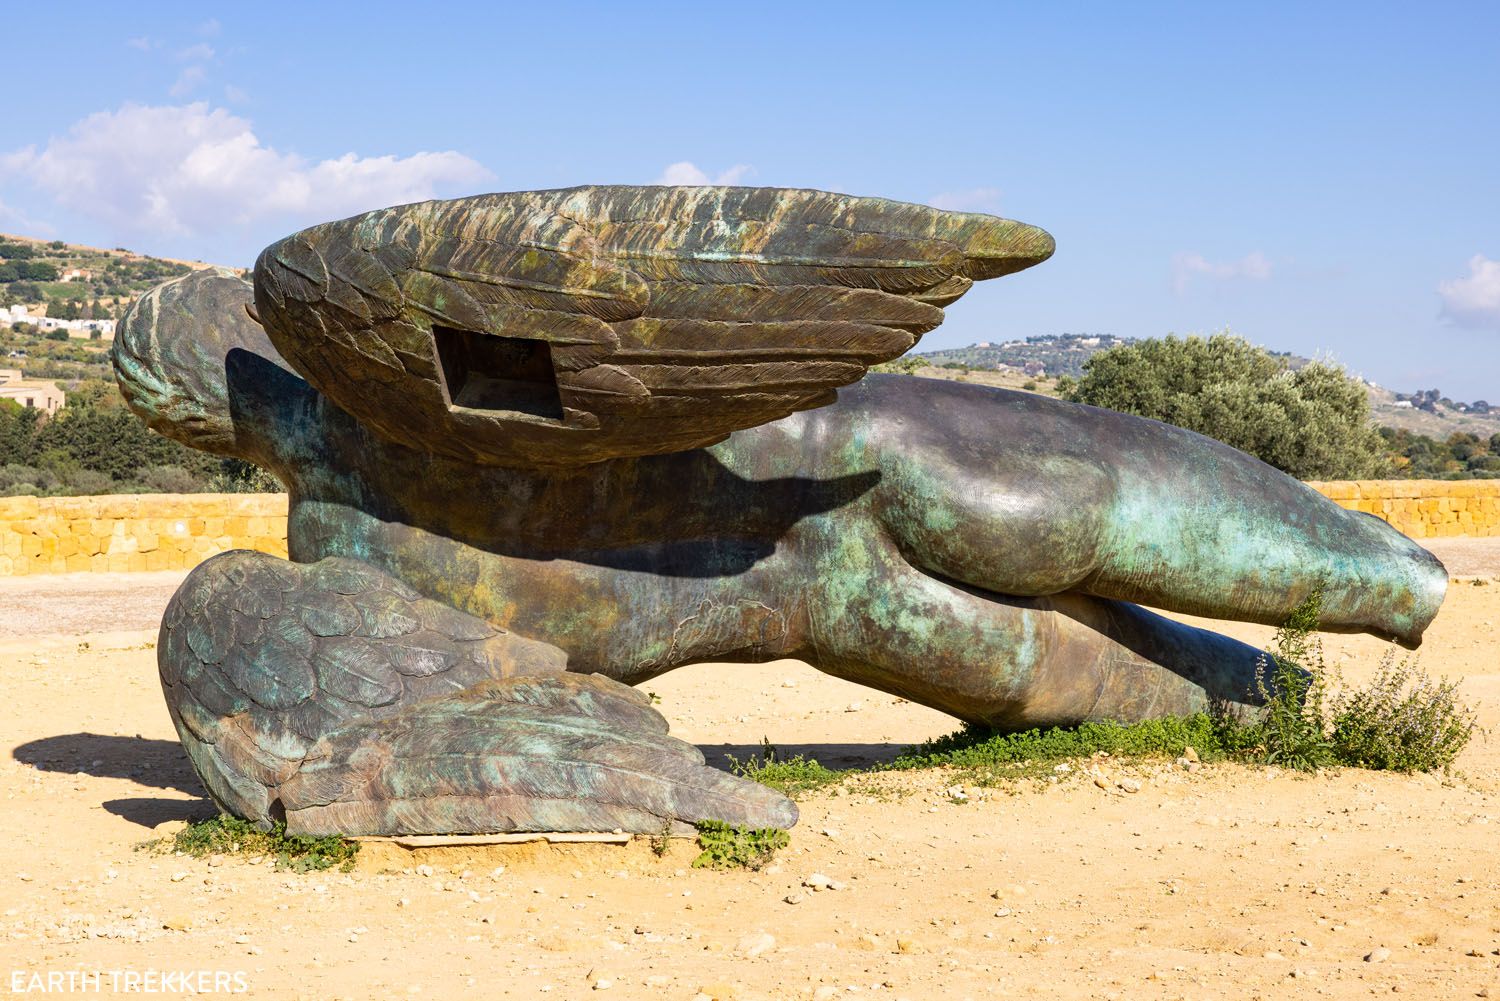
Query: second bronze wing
(564, 327)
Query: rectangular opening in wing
(485, 372)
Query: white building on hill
(35, 393)
(81, 330)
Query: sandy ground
(1230, 882)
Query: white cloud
(1474, 301)
(1254, 266)
(200, 53)
(141, 42)
(191, 170)
(189, 80)
(236, 95)
(16, 221)
(210, 28)
(687, 172)
(972, 200)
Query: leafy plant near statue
(1403, 720)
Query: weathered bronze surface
(503, 422)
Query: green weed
(226, 835)
(729, 847)
(990, 757)
(792, 777)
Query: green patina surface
(544, 445)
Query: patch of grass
(792, 777)
(226, 835)
(990, 757)
(731, 847)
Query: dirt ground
(1229, 882)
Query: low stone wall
(1423, 509)
(125, 532)
(128, 532)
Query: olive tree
(1312, 422)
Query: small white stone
(755, 944)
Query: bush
(239, 477)
(1313, 423)
(905, 365)
(15, 475)
(170, 480)
(87, 482)
(1404, 721)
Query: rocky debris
(1379, 955)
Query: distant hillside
(72, 281)
(1044, 355)
(42, 281)
(1047, 356)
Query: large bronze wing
(569, 326)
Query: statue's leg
(1017, 662)
(333, 696)
(1042, 498)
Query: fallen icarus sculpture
(543, 446)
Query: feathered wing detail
(569, 326)
(169, 359)
(569, 753)
(333, 696)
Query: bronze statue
(542, 446)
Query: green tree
(37, 271)
(17, 428)
(1312, 422)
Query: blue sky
(1321, 178)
